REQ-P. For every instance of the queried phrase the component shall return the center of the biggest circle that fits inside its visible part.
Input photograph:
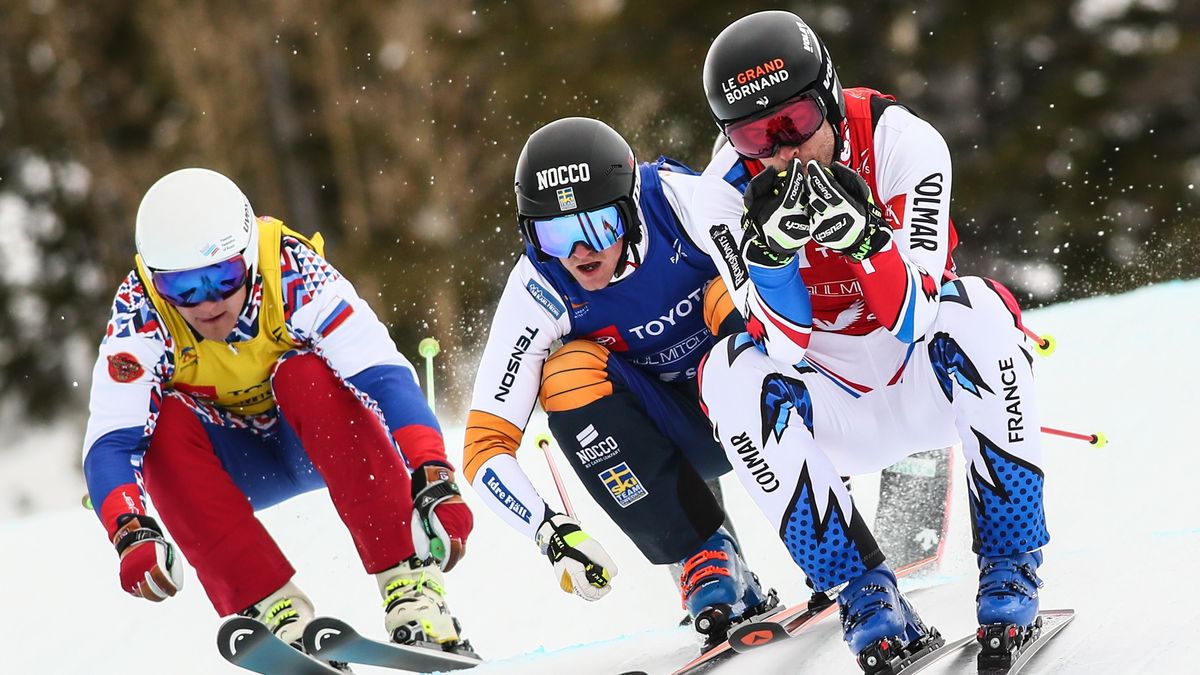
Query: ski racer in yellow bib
(239, 369)
(236, 378)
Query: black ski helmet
(588, 157)
(765, 59)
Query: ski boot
(718, 589)
(880, 625)
(416, 611)
(287, 612)
(1007, 606)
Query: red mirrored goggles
(793, 123)
(188, 288)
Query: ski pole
(1097, 439)
(1046, 344)
(429, 348)
(544, 442)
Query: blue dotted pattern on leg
(1008, 514)
(824, 551)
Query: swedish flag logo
(566, 199)
(623, 484)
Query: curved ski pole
(544, 441)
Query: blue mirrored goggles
(596, 229)
(211, 283)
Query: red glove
(150, 568)
(441, 520)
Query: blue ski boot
(879, 624)
(1008, 589)
(718, 588)
(1007, 605)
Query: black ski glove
(844, 215)
(776, 209)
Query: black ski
(336, 640)
(248, 644)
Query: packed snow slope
(1125, 522)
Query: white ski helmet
(193, 218)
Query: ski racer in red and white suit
(239, 369)
(862, 346)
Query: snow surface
(1125, 522)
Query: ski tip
(236, 634)
(319, 632)
(753, 636)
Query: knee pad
(574, 376)
(720, 315)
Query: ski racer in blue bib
(612, 270)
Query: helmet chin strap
(631, 254)
(624, 261)
(633, 243)
(839, 139)
(249, 285)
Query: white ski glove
(581, 564)
(150, 568)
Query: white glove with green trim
(583, 566)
